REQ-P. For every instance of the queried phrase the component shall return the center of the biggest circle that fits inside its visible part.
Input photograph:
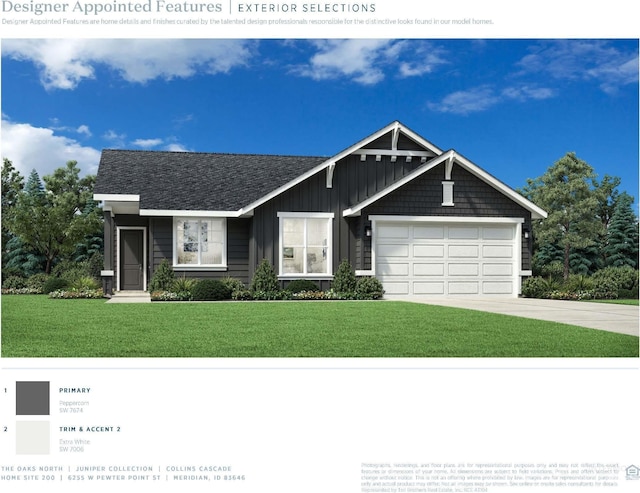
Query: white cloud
(427, 56)
(465, 102)
(147, 143)
(523, 93)
(176, 148)
(115, 139)
(596, 60)
(84, 130)
(39, 148)
(64, 63)
(360, 60)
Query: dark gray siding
(161, 244)
(472, 197)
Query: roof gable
(450, 158)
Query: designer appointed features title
(97, 8)
(166, 7)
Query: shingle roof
(196, 181)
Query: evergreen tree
(622, 235)
(567, 191)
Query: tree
(622, 234)
(50, 221)
(12, 185)
(567, 191)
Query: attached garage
(447, 256)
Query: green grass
(35, 326)
(618, 302)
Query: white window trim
(190, 267)
(306, 215)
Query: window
(305, 244)
(200, 242)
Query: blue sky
(513, 107)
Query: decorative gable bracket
(447, 185)
(330, 169)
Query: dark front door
(131, 259)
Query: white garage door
(446, 258)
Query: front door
(132, 260)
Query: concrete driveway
(624, 319)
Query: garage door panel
(397, 251)
(497, 269)
(497, 233)
(401, 232)
(489, 287)
(425, 251)
(397, 288)
(428, 287)
(393, 269)
(463, 251)
(463, 233)
(428, 232)
(422, 269)
(497, 251)
(465, 287)
(463, 269)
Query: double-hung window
(200, 242)
(305, 244)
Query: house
(422, 220)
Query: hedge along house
(422, 220)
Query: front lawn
(36, 326)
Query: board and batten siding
(237, 249)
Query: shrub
(605, 289)
(241, 295)
(300, 285)
(539, 287)
(264, 279)
(369, 288)
(85, 283)
(624, 277)
(71, 271)
(344, 281)
(628, 294)
(37, 281)
(54, 284)
(233, 284)
(578, 282)
(163, 277)
(210, 290)
(14, 282)
(95, 264)
(183, 285)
